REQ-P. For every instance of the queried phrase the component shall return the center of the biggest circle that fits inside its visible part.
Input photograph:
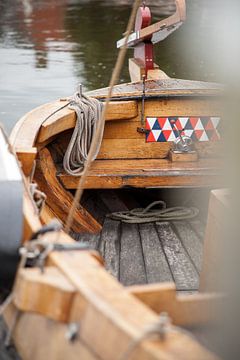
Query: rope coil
(88, 111)
(148, 214)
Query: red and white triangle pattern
(163, 129)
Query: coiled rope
(148, 214)
(88, 111)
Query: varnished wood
(110, 174)
(184, 310)
(26, 157)
(137, 70)
(66, 118)
(48, 293)
(37, 337)
(58, 199)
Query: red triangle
(178, 125)
(147, 125)
(167, 133)
(150, 137)
(194, 121)
(162, 121)
(198, 133)
(209, 125)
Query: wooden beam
(48, 293)
(26, 156)
(117, 314)
(213, 252)
(60, 200)
(38, 338)
(112, 174)
(66, 118)
(184, 310)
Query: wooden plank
(31, 219)
(33, 290)
(184, 273)
(157, 268)
(184, 310)
(167, 87)
(214, 247)
(191, 243)
(32, 332)
(117, 314)
(58, 199)
(110, 239)
(26, 156)
(132, 267)
(110, 174)
(66, 118)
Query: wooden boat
(74, 305)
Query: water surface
(48, 46)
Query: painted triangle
(167, 125)
(150, 137)
(161, 122)
(156, 125)
(156, 134)
(167, 134)
(161, 137)
(194, 121)
(198, 133)
(199, 125)
(204, 137)
(150, 122)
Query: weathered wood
(132, 267)
(191, 243)
(167, 87)
(213, 253)
(110, 239)
(183, 271)
(26, 156)
(112, 174)
(184, 310)
(58, 199)
(48, 293)
(157, 269)
(38, 338)
(66, 118)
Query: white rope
(88, 111)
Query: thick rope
(88, 111)
(147, 215)
(95, 140)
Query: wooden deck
(150, 253)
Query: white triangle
(172, 137)
(188, 132)
(151, 121)
(167, 125)
(204, 137)
(183, 121)
(156, 134)
(199, 125)
(215, 121)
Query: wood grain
(58, 199)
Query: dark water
(48, 46)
